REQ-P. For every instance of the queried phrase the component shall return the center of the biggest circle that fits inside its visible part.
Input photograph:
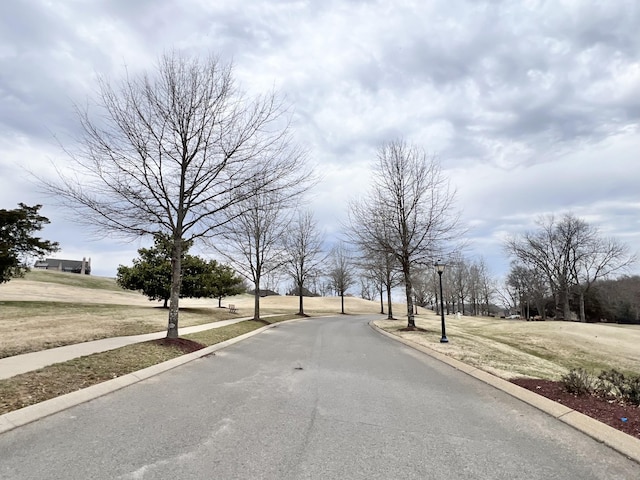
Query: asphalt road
(316, 399)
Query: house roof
(65, 265)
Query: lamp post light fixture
(440, 268)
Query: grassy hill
(73, 280)
(47, 309)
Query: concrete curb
(29, 414)
(619, 441)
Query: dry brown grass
(51, 309)
(512, 348)
(30, 326)
(55, 380)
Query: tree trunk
(342, 301)
(408, 291)
(176, 267)
(389, 305)
(256, 301)
(381, 301)
(583, 317)
(566, 310)
(166, 303)
(301, 310)
(542, 311)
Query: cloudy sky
(531, 106)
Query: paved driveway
(320, 398)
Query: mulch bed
(605, 410)
(187, 346)
(413, 329)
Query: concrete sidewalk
(27, 362)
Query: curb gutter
(617, 440)
(22, 416)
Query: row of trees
(468, 287)
(563, 258)
(184, 155)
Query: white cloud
(532, 107)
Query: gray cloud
(531, 106)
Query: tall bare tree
(548, 249)
(486, 285)
(570, 253)
(377, 265)
(253, 239)
(414, 206)
(341, 271)
(384, 267)
(528, 288)
(595, 258)
(458, 272)
(169, 151)
(303, 252)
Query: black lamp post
(440, 268)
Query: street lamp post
(440, 268)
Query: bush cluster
(609, 384)
(579, 382)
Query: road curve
(315, 399)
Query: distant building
(72, 266)
(263, 293)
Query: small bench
(233, 309)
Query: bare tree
(534, 289)
(458, 272)
(303, 252)
(253, 238)
(381, 268)
(422, 286)
(413, 203)
(548, 249)
(595, 258)
(487, 286)
(170, 151)
(378, 264)
(571, 253)
(368, 286)
(341, 271)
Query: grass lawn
(30, 326)
(49, 309)
(52, 309)
(55, 380)
(75, 280)
(514, 348)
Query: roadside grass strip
(62, 378)
(32, 326)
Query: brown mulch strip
(184, 344)
(413, 329)
(605, 410)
